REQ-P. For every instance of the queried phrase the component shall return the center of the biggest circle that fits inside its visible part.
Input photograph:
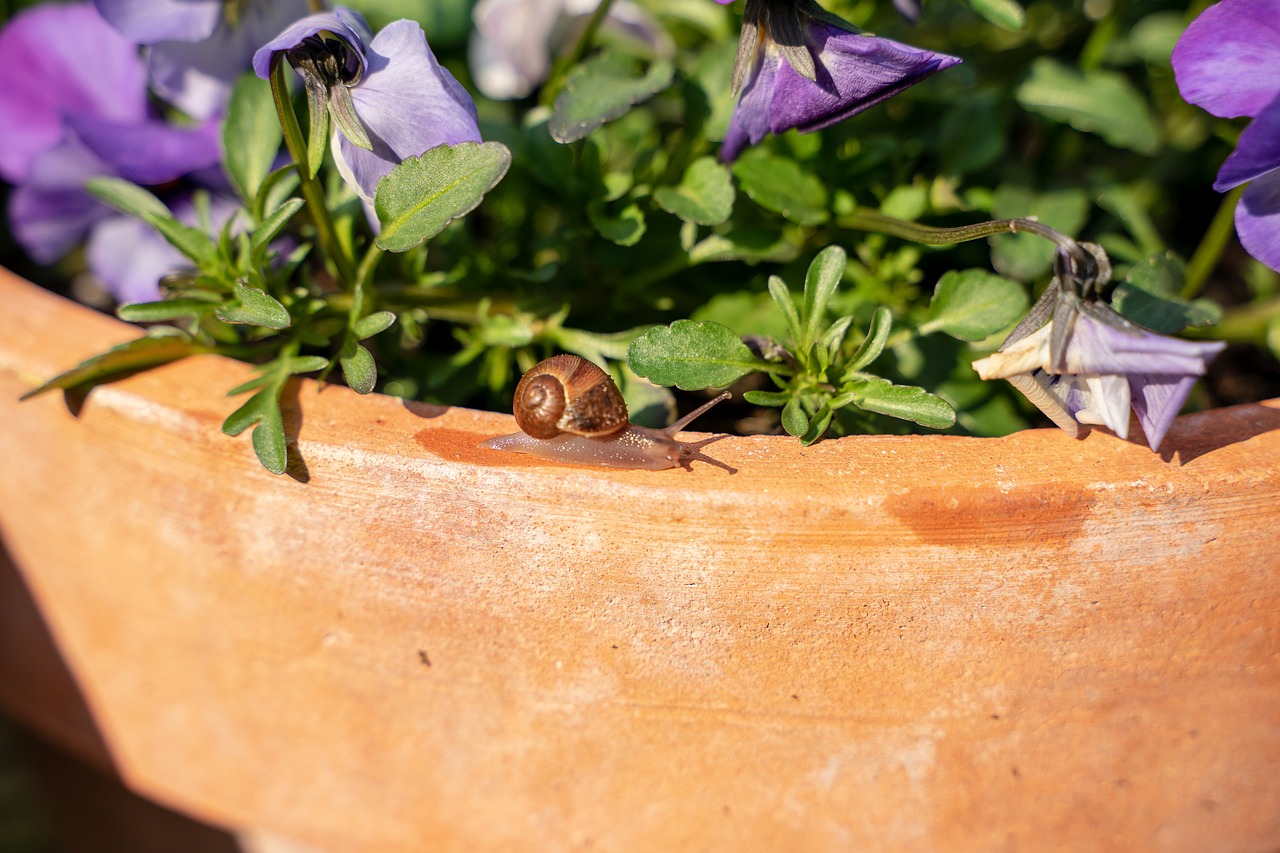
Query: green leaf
(367, 327)
(250, 135)
(134, 200)
(901, 401)
(1008, 14)
(268, 439)
(256, 308)
(873, 344)
(786, 305)
(794, 419)
(817, 425)
(164, 309)
(692, 355)
(974, 304)
(273, 224)
(746, 243)
(704, 195)
(1094, 101)
(125, 358)
(781, 185)
(820, 283)
(1149, 296)
(358, 369)
(305, 364)
(767, 398)
(625, 226)
(424, 194)
(603, 88)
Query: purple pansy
(802, 68)
(75, 107)
(514, 41)
(1100, 367)
(1228, 62)
(400, 98)
(197, 48)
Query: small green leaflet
(604, 88)
(780, 185)
(704, 195)
(1094, 101)
(250, 136)
(134, 355)
(901, 401)
(973, 304)
(424, 194)
(692, 355)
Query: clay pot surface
(409, 643)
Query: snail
(569, 410)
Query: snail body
(569, 410)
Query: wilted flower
(1228, 62)
(1089, 365)
(198, 48)
(389, 99)
(75, 107)
(514, 40)
(801, 67)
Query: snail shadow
(1204, 433)
(693, 452)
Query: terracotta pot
(408, 642)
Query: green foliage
(597, 218)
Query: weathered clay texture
(410, 643)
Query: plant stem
(312, 192)
(1211, 245)
(560, 73)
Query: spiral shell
(567, 393)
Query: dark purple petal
(343, 23)
(1257, 152)
(150, 152)
(854, 72)
(150, 21)
(1228, 60)
(1157, 401)
(51, 211)
(197, 75)
(62, 60)
(860, 72)
(408, 104)
(750, 121)
(1258, 219)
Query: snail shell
(569, 410)
(567, 393)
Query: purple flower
(389, 99)
(1228, 62)
(75, 107)
(514, 40)
(1088, 365)
(801, 67)
(197, 48)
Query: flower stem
(560, 74)
(312, 192)
(1211, 245)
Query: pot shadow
(1203, 433)
(62, 751)
(426, 411)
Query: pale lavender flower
(75, 107)
(1228, 62)
(799, 67)
(1088, 365)
(514, 41)
(196, 49)
(390, 99)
